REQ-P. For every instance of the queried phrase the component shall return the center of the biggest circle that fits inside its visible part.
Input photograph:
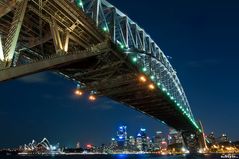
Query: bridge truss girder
(31, 38)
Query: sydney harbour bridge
(97, 46)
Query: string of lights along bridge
(100, 48)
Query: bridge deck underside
(118, 80)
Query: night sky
(201, 36)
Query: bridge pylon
(195, 141)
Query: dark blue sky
(201, 37)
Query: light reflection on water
(119, 156)
(188, 156)
(143, 156)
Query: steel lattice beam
(53, 62)
(12, 37)
(6, 7)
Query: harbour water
(125, 156)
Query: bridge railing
(141, 49)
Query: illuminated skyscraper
(131, 140)
(139, 142)
(122, 137)
(113, 143)
(157, 140)
(78, 145)
(174, 137)
(142, 141)
(211, 138)
(223, 138)
(163, 145)
(131, 144)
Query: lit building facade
(122, 138)
(174, 137)
(142, 141)
(211, 138)
(223, 138)
(157, 140)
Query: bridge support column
(1, 54)
(13, 34)
(202, 139)
(191, 141)
(61, 44)
(195, 140)
(56, 37)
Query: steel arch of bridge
(144, 53)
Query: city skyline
(202, 40)
(123, 140)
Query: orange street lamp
(78, 92)
(151, 86)
(92, 97)
(142, 79)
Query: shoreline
(159, 154)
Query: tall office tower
(223, 138)
(113, 143)
(163, 145)
(122, 137)
(132, 140)
(211, 138)
(78, 145)
(148, 143)
(142, 140)
(157, 140)
(139, 142)
(174, 137)
(131, 144)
